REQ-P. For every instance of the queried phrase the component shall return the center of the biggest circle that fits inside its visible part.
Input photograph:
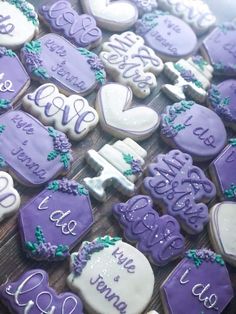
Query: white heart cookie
(114, 16)
(118, 117)
(71, 115)
(222, 230)
(9, 197)
(18, 23)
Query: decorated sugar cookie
(222, 99)
(129, 62)
(191, 78)
(222, 230)
(194, 129)
(219, 49)
(108, 275)
(33, 153)
(145, 6)
(71, 115)
(181, 189)
(118, 165)
(157, 237)
(194, 12)
(31, 293)
(165, 34)
(115, 16)
(52, 223)
(200, 283)
(120, 118)
(18, 23)
(14, 80)
(9, 197)
(53, 59)
(81, 30)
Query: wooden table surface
(13, 261)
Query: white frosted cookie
(18, 23)
(222, 230)
(71, 115)
(129, 62)
(122, 119)
(9, 197)
(116, 16)
(109, 276)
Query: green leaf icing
(27, 9)
(203, 255)
(68, 186)
(230, 192)
(4, 104)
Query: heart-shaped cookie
(9, 197)
(114, 16)
(119, 118)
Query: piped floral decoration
(220, 104)
(68, 186)
(27, 9)
(7, 52)
(135, 165)
(148, 21)
(145, 6)
(4, 104)
(200, 62)
(204, 255)
(230, 192)
(188, 75)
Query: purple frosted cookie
(165, 34)
(52, 223)
(14, 80)
(157, 237)
(219, 49)
(81, 30)
(199, 284)
(222, 99)
(32, 294)
(33, 153)
(194, 129)
(53, 59)
(179, 187)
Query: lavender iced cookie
(181, 189)
(157, 237)
(200, 283)
(194, 129)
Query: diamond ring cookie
(120, 118)
(194, 129)
(108, 275)
(200, 283)
(165, 34)
(181, 189)
(71, 115)
(81, 30)
(129, 62)
(18, 23)
(118, 165)
(158, 238)
(31, 293)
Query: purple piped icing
(81, 30)
(32, 161)
(194, 129)
(199, 284)
(31, 294)
(157, 237)
(53, 222)
(179, 187)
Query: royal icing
(165, 33)
(71, 115)
(200, 283)
(157, 237)
(191, 79)
(180, 187)
(194, 129)
(13, 79)
(116, 16)
(81, 30)
(194, 12)
(33, 162)
(18, 23)
(108, 274)
(129, 62)
(118, 165)
(32, 294)
(120, 118)
(52, 223)
(145, 6)
(53, 59)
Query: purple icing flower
(3, 51)
(95, 63)
(61, 143)
(32, 59)
(136, 166)
(69, 186)
(188, 75)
